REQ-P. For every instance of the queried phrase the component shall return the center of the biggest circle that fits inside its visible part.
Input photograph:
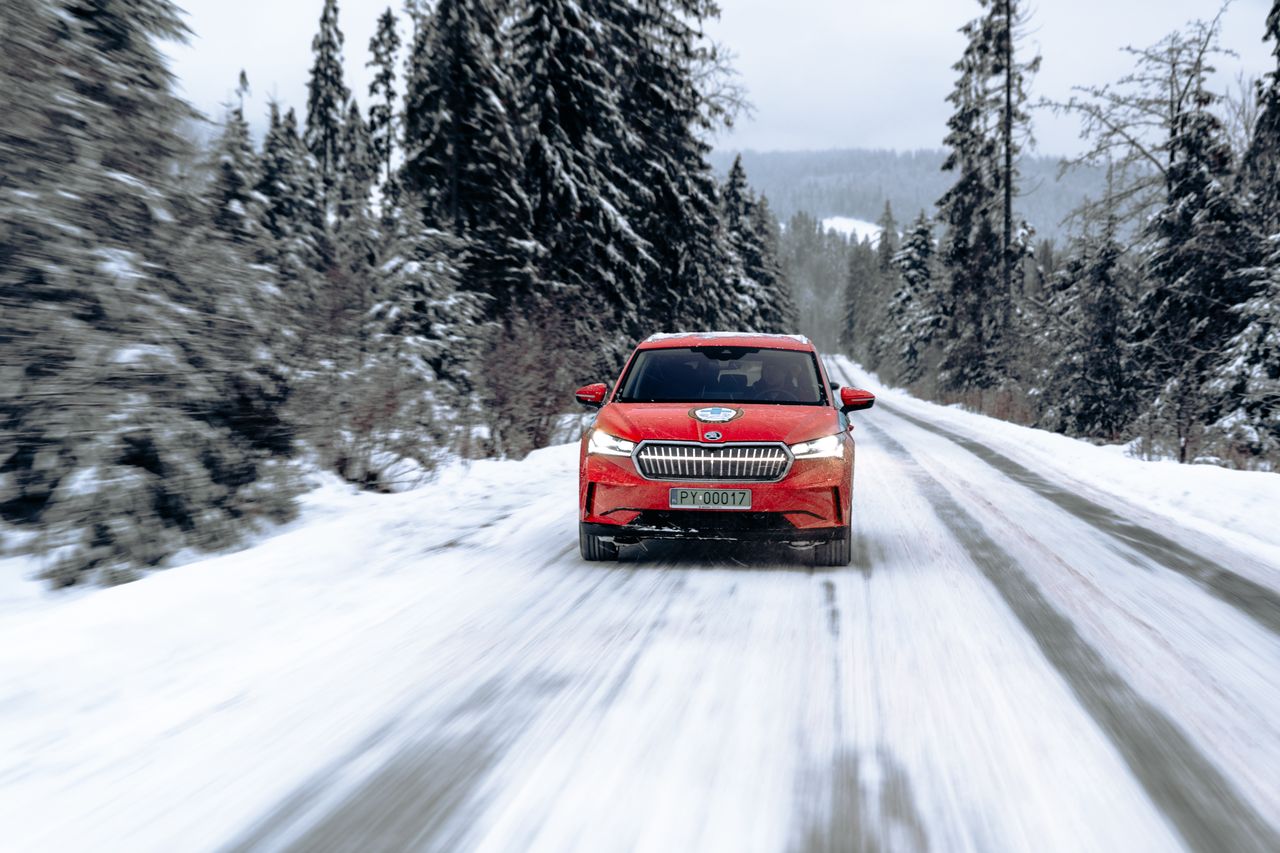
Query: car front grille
(745, 463)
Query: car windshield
(723, 375)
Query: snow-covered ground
(857, 229)
(1041, 645)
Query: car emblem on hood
(715, 414)
(713, 436)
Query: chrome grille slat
(748, 463)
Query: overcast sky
(821, 73)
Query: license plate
(711, 499)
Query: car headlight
(607, 445)
(828, 447)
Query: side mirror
(592, 395)
(855, 400)
(835, 387)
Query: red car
(719, 436)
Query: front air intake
(739, 463)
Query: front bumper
(709, 528)
(810, 504)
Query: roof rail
(664, 336)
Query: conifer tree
(887, 243)
(574, 162)
(383, 48)
(915, 308)
(346, 289)
(971, 254)
(403, 399)
(359, 165)
(422, 313)
(753, 235)
(1248, 376)
(737, 204)
(779, 313)
(1261, 167)
(678, 213)
(1091, 388)
(232, 193)
(327, 97)
(874, 329)
(292, 210)
(462, 159)
(861, 282)
(1201, 243)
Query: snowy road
(1016, 661)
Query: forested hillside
(857, 182)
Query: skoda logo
(713, 436)
(716, 414)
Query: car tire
(837, 552)
(594, 549)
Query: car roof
(728, 339)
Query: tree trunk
(1007, 245)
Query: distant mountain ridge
(856, 182)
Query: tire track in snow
(1254, 600)
(1190, 791)
(325, 812)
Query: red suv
(719, 436)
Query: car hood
(757, 422)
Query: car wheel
(594, 549)
(837, 552)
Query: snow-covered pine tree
(678, 211)
(348, 280)
(887, 242)
(292, 209)
(987, 132)
(1247, 378)
(1260, 170)
(862, 280)
(1200, 243)
(737, 204)
(327, 97)
(594, 263)
(1091, 387)
(462, 158)
(135, 421)
(359, 166)
(778, 312)
(877, 333)
(384, 49)
(971, 254)
(235, 167)
(405, 393)
(915, 313)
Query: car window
(723, 375)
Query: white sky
(822, 73)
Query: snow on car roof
(694, 339)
